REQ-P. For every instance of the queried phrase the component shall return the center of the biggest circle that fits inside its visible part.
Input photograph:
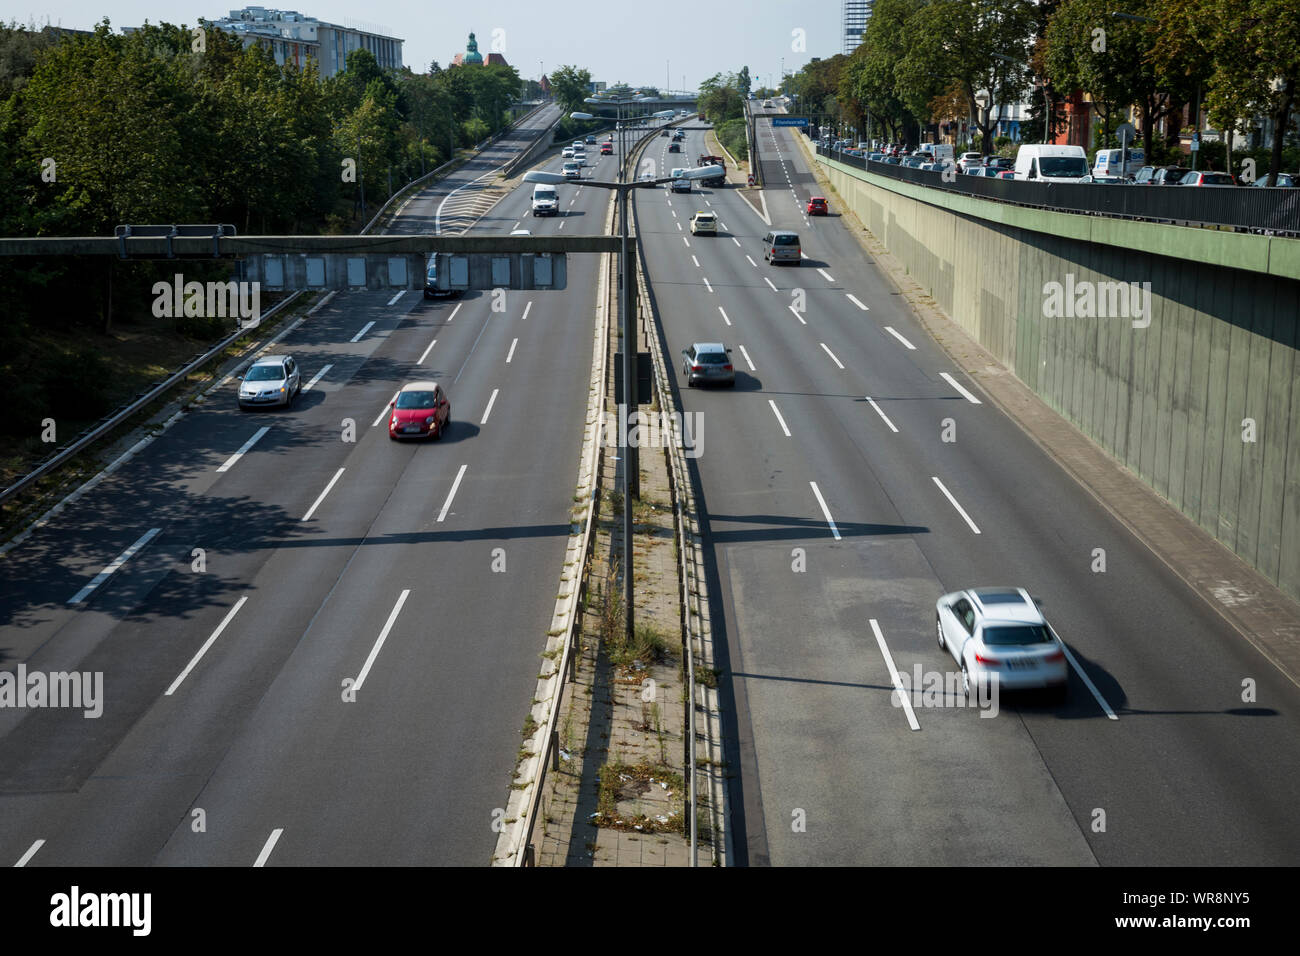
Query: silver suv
(708, 363)
(271, 380)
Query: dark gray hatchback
(708, 363)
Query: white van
(940, 152)
(1041, 162)
(1107, 162)
(546, 201)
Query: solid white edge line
(854, 299)
(271, 841)
(364, 329)
(724, 315)
(511, 353)
(318, 376)
(826, 511)
(379, 642)
(527, 307)
(425, 355)
(316, 504)
(832, 355)
(112, 569)
(384, 413)
(747, 359)
(796, 313)
(206, 644)
(894, 332)
(960, 510)
(31, 852)
(893, 675)
(393, 300)
(1110, 714)
(957, 385)
(488, 411)
(257, 435)
(881, 413)
(826, 275)
(446, 505)
(777, 413)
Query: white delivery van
(1107, 162)
(940, 152)
(1044, 163)
(546, 201)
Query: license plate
(411, 428)
(1022, 665)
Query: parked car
(817, 206)
(1000, 633)
(271, 380)
(1283, 179)
(1203, 177)
(1169, 175)
(782, 245)
(1144, 175)
(421, 410)
(708, 363)
(704, 222)
(968, 160)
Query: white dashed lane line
(780, 420)
(827, 350)
(446, 505)
(257, 436)
(364, 329)
(511, 353)
(826, 275)
(825, 510)
(321, 497)
(890, 329)
(112, 569)
(797, 314)
(393, 300)
(953, 501)
(957, 385)
(426, 352)
(724, 315)
(881, 413)
(854, 299)
(384, 413)
(316, 378)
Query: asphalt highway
(837, 514)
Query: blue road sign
(789, 121)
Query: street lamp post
(627, 325)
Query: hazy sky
(638, 43)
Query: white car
(1000, 633)
(567, 152)
(580, 156)
(969, 161)
(572, 170)
(704, 222)
(271, 380)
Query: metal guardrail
(113, 419)
(1270, 210)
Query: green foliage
(570, 86)
(732, 135)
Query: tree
(570, 86)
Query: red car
(421, 410)
(606, 149)
(817, 206)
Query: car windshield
(786, 240)
(415, 400)
(1062, 166)
(712, 358)
(1017, 634)
(265, 373)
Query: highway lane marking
(109, 571)
(516, 225)
(511, 353)
(696, 261)
(737, 242)
(797, 315)
(747, 360)
(561, 223)
(826, 511)
(957, 385)
(891, 331)
(679, 226)
(706, 283)
(321, 303)
(723, 225)
(777, 413)
(364, 329)
(893, 675)
(707, 203)
(271, 841)
(454, 311)
(257, 435)
(674, 212)
(770, 283)
(826, 275)
(881, 413)
(832, 355)
(471, 350)
(854, 300)
(426, 352)
(684, 239)
(206, 644)
(393, 300)
(379, 643)
(446, 505)
(488, 411)
(321, 497)
(318, 376)
(960, 510)
(1110, 714)
(751, 261)
(384, 413)
(31, 852)
(724, 315)
(527, 308)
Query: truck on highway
(714, 182)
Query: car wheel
(965, 680)
(938, 626)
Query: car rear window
(704, 217)
(786, 240)
(712, 358)
(1217, 179)
(415, 400)
(1016, 634)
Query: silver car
(708, 363)
(271, 380)
(1000, 633)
